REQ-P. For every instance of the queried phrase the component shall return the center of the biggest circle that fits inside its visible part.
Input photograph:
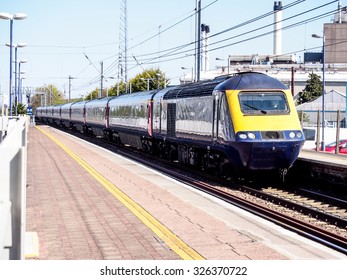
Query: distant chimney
(340, 13)
(277, 27)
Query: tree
(312, 90)
(118, 89)
(21, 109)
(147, 80)
(94, 94)
(47, 95)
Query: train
(230, 124)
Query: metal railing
(13, 159)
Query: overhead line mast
(123, 45)
(197, 40)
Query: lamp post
(19, 90)
(161, 78)
(16, 46)
(106, 79)
(192, 70)
(18, 16)
(323, 103)
(217, 58)
(146, 79)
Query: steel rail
(310, 231)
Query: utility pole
(70, 78)
(102, 78)
(123, 45)
(197, 40)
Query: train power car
(243, 122)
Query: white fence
(13, 159)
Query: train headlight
(247, 136)
(243, 136)
(292, 135)
(251, 135)
(299, 134)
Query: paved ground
(75, 217)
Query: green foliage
(303, 117)
(118, 89)
(313, 89)
(147, 80)
(21, 109)
(151, 79)
(48, 94)
(94, 94)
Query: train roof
(202, 88)
(240, 81)
(67, 105)
(250, 80)
(98, 101)
(137, 94)
(142, 95)
(78, 104)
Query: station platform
(84, 202)
(323, 157)
(324, 166)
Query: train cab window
(262, 103)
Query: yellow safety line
(171, 240)
(31, 245)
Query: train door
(84, 112)
(157, 111)
(171, 120)
(150, 118)
(70, 115)
(107, 114)
(215, 121)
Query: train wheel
(106, 135)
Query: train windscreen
(258, 103)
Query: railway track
(307, 220)
(318, 217)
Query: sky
(67, 38)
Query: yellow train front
(266, 132)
